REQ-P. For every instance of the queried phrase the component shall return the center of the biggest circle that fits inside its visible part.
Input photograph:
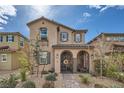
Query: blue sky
(96, 19)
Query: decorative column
(57, 62)
(74, 62)
(74, 65)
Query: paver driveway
(70, 81)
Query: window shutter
(1, 38)
(12, 38)
(67, 37)
(7, 38)
(48, 58)
(61, 36)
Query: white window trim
(66, 37)
(22, 41)
(9, 40)
(76, 40)
(2, 57)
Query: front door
(66, 62)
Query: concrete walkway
(70, 81)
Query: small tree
(35, 45)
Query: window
(121, 38)
(22, 42)
(64, 36)
(44, 57)
(10, 38)
(3, 57)
(43, 33)
(1, 38)
(77, 37)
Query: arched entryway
(66, 62)
(83, 61)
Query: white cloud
(1, 28)
(95, 6)
(86, 14)
(84, 18)
(103, 8)
(5, 12)
(38, 11)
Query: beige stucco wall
(15, 61)
(6, 65)
(14, 44)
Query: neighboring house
(65, 47)
(106, 44)
(10, 44)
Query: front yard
(62, 80)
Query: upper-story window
(1, 38)
(22, 42)
(115, 38)
(43, 33)
(10, 38)
(77, 37)
(64, 36)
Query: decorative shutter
(1, 38)
(48, 58)
(67, 37)
(61, 36)
(7, 38)
(12, 38)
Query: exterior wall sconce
(57, 56)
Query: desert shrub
(23, 75)
(29, 84)
(99, 86)
(48, 85)
(115, 86)
(85, 79)
(9, 83)
(120, 77)
(50, 80)
(51, 77)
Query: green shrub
(99, 86)
(48, 85)
(29, 84)
(121, 77)
(9, 83)
(115, 86)
(51, 77)
(23, 75)
(85, 79)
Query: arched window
(43, 33)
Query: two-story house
(10, 44)
(65, 46)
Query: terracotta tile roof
(74, 46)
(107, 34)
(7, 49)
(13, 33)
(56, 23)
